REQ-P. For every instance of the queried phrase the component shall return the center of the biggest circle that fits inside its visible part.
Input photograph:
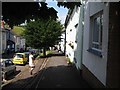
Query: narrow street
(86, 32)
(51, 72)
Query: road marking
(40, 68)
(45, 63)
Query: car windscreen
(18, 56)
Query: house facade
(19, 43)
(62, 43)
(3, 40)
(96, 43)
(10, 40)
(71, 26)
(100, 62)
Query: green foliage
(43, 33)
(69, 5)
(15, 13)
(48, 52)
(18, 30)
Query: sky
(62, 12)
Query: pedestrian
(31, 62)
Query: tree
(15, 13)
(69, 5)
(43, 33)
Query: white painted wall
(79, 37)
(71, 35)
(95, 64)
(62, 43)
(17, 43)
(22, 43)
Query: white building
(96, 42)
(100, 62)
(94, 46)
(62, 43)
(71, 26)
(22, 43)
(19, 43)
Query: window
(18, 56)
(96, 24)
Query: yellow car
(20, 58)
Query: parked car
(20, 58)
(8, 67)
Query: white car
(8, 67)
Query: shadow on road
(52, 77)
(12, 76)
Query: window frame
(97, 48)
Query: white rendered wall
(79, 37)
(96, 64)
(62, 43)
(71, 35)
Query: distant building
(4, 43)
(10, 40)
(19, 43)
(71, 26)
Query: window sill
(95, 52)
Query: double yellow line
(42, 66)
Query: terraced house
(10, 42)
(93, 45)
